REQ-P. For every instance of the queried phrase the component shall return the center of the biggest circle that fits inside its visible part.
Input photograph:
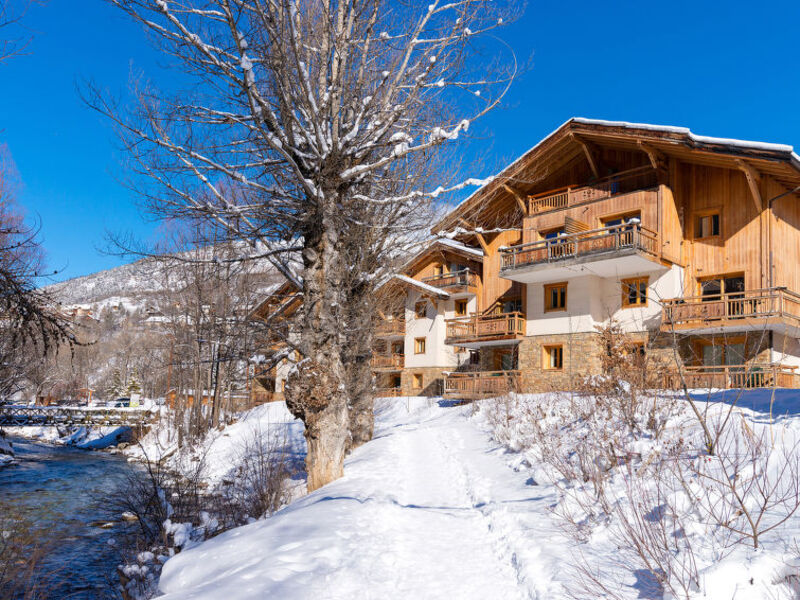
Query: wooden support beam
(479, 236)
(657, 159)
(590, 153)
(753, 177)
(518, 197)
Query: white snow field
(435, 507)
(431, 508)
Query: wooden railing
(387, 361)
(621, 183)
(484, 327)
(736, 376)
(392, 392)
(464, 278)
(734, 307)
(480, 384)
(606, 240)
(389, 327)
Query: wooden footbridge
(22, 416)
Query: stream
(65, 492)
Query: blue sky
(726, 69)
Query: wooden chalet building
(677, 239)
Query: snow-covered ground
(431, 508)
(435, 507)
(221, 450)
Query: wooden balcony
(387, 362)
(485, 329)
(621, 250)
(457, 282)
(391, 392)
(390, 328)
(736, 377)
(773, 308)
(641, 178)
(472, 385)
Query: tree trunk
(316, 390)
(360, 308)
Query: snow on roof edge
(703, 139)
(424, 286)
(460, 246)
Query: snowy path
(429, 509)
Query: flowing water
(65, 493)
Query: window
(553, 358)
(461, 308)
(416, 381)
(718, 352)
(713, 287)
(634, 292)
(419, 345)
(421, 308)
(555, 297)
(551, 234)
(622, 219)
(474, 357)
(510, 306)
(707, 226)
(397, 347)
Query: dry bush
(260, 485)
(750, 486)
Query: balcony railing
(457, 279)
(390, 327)
(387, 361)
(480, 384)
(606, 240)
(621, 183)
(485, 328)
(391, 392)
(735, 308)
(736, 377)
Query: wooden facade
(679, 239)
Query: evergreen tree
(116, 388)
(133, 385)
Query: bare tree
(301, 133)
(29, 319)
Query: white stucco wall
(432, 327)
(594, 301)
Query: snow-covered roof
(461, 246)
(423, 286)
(669, 129)
(703, 139)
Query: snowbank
(86, 438)
(220, 450)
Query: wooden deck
(604, 242)
(390, 328)
(485, 328)
(742, 310)
(472, 385)
(620, 183)
(390, 362)
(464, 281)
(736, 377)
